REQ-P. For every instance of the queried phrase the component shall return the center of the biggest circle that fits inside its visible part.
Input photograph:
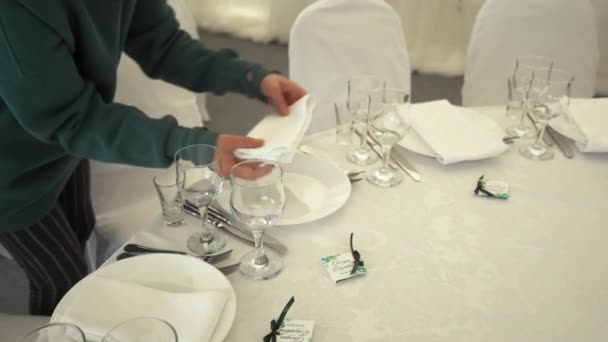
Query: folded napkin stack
(455, 135)
(282, 135)
(591, 117)
(105, 302)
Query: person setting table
(58, 62)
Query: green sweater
(58, 61)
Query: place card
(340, 267)
(492, 188)
(296, 331)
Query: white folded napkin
(453, 135)
(591, 117)
(106, 302)
(282, 134)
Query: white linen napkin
(282, 134)
(591, 117)
(453, 135)
(107, 302)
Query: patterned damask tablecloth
(445, 265)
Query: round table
(444, 265)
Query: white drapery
(437, 31)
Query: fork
(229, 269)
(135, 249)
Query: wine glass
(530, 77)
(358, 105)
(142, 329)
(199, 182)
(389, 122)
(257, 201)
(554, 101)
(55, 332)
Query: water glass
(389, 122)
(358, 105)
(142, 329)
(170, 199)
(344, 125)
(530, 77)
(55, 332)
(549, 104)
(199, 182)
(258, 201)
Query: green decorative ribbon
(480, 188)
(276, 325)
(356, 255)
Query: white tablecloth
(447, 266)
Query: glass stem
(386, 155)
(363, 145)
(206, 233)
(539, 137)
(260, 256)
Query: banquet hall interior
(455, 50)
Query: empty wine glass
(554, 101)
(389, 122)
(55, 332)
(199, 183)
(257, 201)
(358, 104)
(142, 329)
(530, 78)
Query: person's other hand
(281, 92)
(225, 146)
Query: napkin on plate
(591, 117)
(105, 302)
(453, 135)
(282, 135)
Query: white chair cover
(332, 40)
(564, 30)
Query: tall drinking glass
(199, 183)
(530, 77)
(552, 102)
(389, 122)
(257, 201)
(358, 104)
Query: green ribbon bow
(480, 188)
(356, 255)
(276, 325)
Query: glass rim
(55, 324)
(244, 182)
(157, 182)
(117, 326)
(177, 153)
(568, 77)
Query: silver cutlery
(546, 138)
(565, 145)
(220, 220)
(510, 140)
(229, 269)
(396, 158)
(212, 259)
(353, 176)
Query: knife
(240, 234)
(398, 158)
(546, 138)
(564, 144)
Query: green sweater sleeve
(44, 90)
(183, 61)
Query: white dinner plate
(415, 143)
(315, 189)
(165, 272)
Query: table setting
(423, 221)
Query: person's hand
(225, 146)
(281, 92)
